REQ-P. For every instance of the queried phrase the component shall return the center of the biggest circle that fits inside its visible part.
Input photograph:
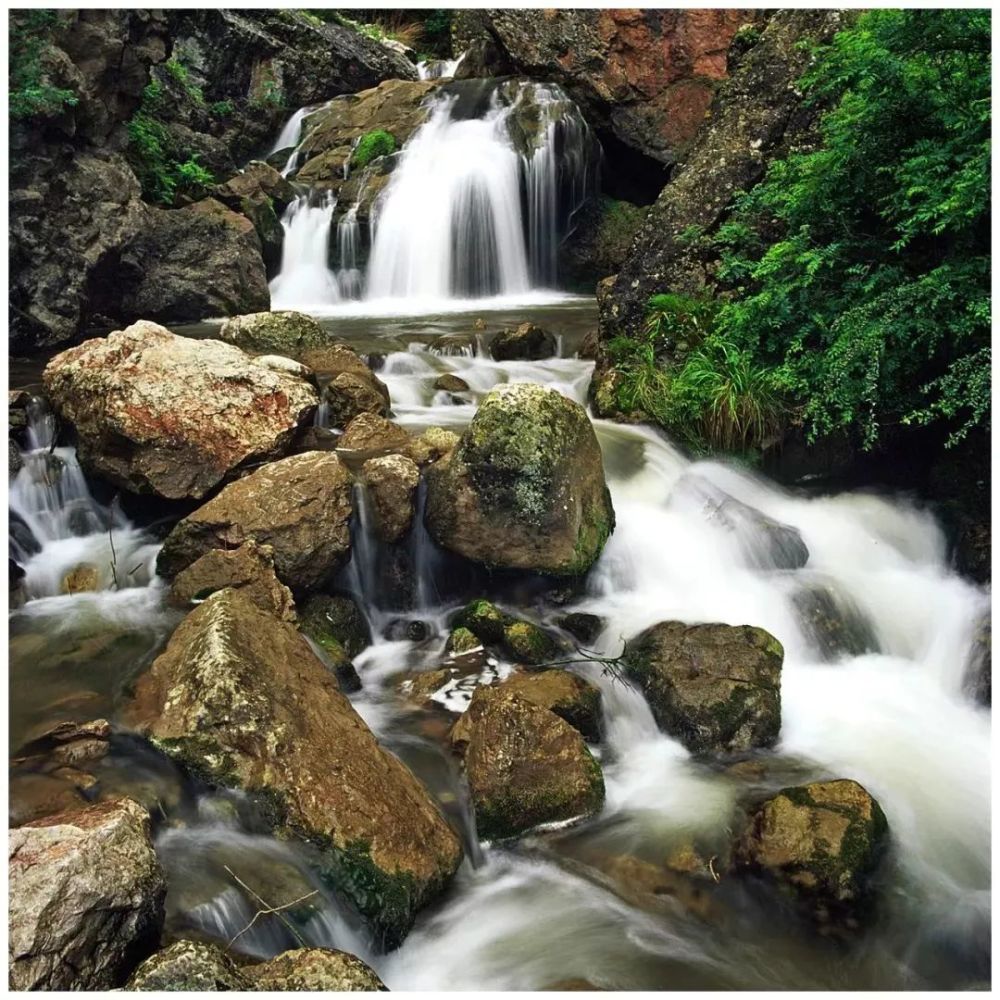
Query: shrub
(371, 146)
(31, 95)
(222, 109)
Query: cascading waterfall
(290, 137)
(476, 207)
(438, 69)
(305, 280)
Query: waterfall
(305, 279)
(349, 277)
(290, 136)
(438, 69)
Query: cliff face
(643, 78)
(757, 116)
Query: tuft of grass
(371, 146)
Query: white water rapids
(524, 917)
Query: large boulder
(525, 487)
(572, 698)
(86, 897)
(158, 413)
(315, 970)
(300, 506)
(526, 342)
(526, 767)
(189, 967)
(284, 332)
(250, 568)
(820, 843)
(716, 688)
(240, 699)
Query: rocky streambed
(341, 663)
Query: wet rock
(371, 432)
(17, 592)
(81, 579)
(524, 343)
(589, 346)
(450, 383)
(189, 967)
(69, 743)
(351, 393)
(567, 695)
(249, 568)
(458, 344)
(392, 483)
(287, 366)
(14, 460)
(581, 625)
(834, 623)
(315, 969)
(335, 620)
(33, 795)
(317, 623)
(261, 194)
(659, 889)
(525, 487)
(821, 844)
(528, 643)
(526, 766)
(241, 699)
(716, 688)
(191, 263)
(300, 506)
(979, 671)
(154, 412)
(86, 897)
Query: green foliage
(859, 271)
(31, 94)
(177, 70)
(222, 109)
(371, 146)
(675, 320)
(269, 95)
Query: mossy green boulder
(461, 640)
(821, 843)
(529, 644)
(526, 767)
(239, 699)
(483, 619)
(716, 688)
(524, 488)
(286, 332)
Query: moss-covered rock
(821, 844)
(525, 487)
(716, 688)
(285, 332)
(526, 342)
(528, 643)
(526, 766)
(336, 620)
(461, 640)
(483, 619)
(315, 970)
(189, 967)
(570, 697)
(239, 699)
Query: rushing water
(552, 908)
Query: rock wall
(758, 116)
(643, 78)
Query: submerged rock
(300, 506)
(525, 343)
(582, 626)
(189, 967)
(834, 623)
(820, 843)
(449, 382)
(315, 969)
(392, 483)
(86, 897)
(155, 412)
(240, 699)
(81, 579)
(979, 669)
(716, 688)
(525, 487)
(525, 765)
(570, 697)
(249, 568)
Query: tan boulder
(315, 970)
(159, 413)
(392, 483)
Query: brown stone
(392, 483)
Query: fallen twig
(614, 666)
(269, 910)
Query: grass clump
(32, 95)
(371, 146)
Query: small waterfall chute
(305, 279)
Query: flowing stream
(895, 718)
